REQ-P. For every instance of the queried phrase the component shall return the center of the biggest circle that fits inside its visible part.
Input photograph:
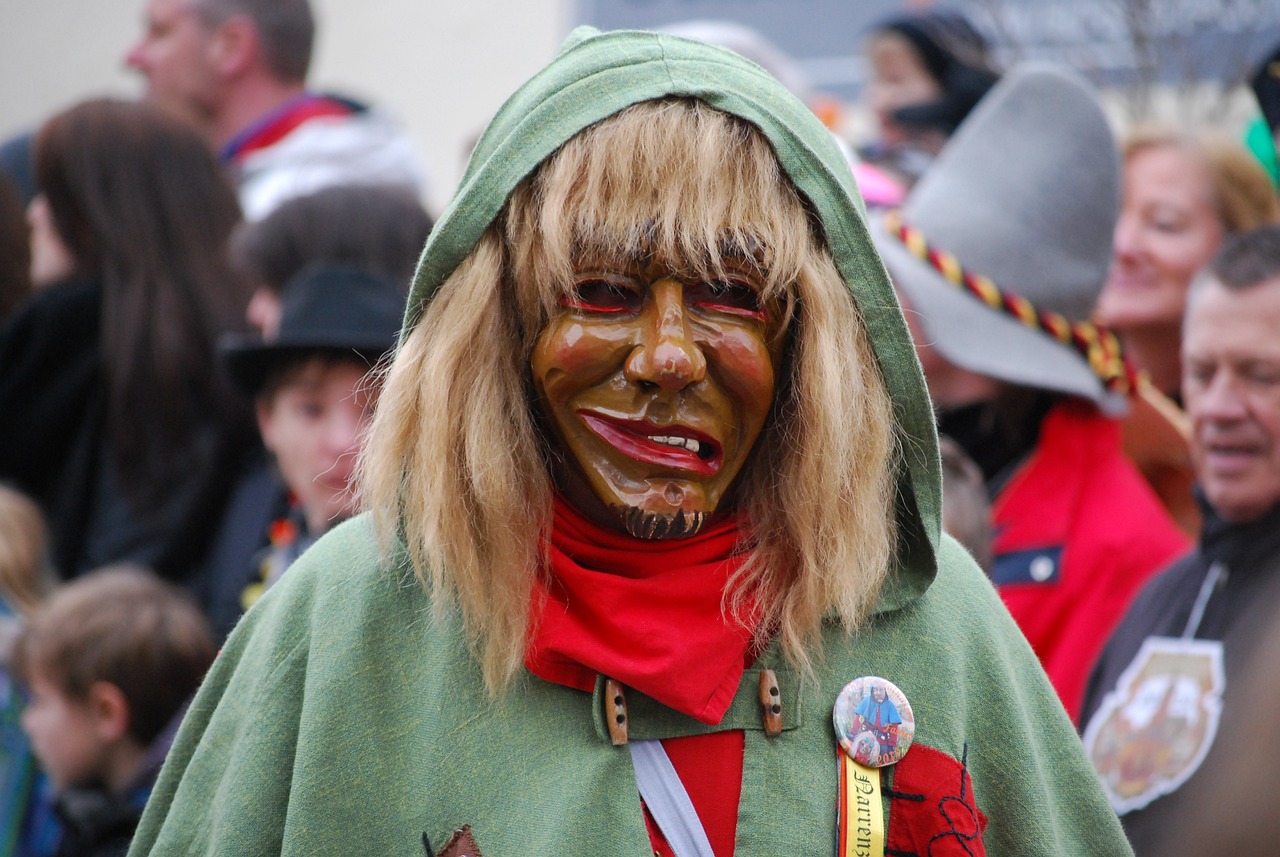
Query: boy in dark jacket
(111, 660)
(313, 395)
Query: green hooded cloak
(343, 718)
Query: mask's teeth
(679, 442)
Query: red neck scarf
(647, 613)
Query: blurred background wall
(445, 67)
(442, 67)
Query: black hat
(323, 309)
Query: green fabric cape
(345, 716)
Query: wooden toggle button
(615, 709)
(770, 703)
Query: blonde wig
(457, 466)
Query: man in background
(1179, 669)
(238, 68)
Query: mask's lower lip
(636, 439)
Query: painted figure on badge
(878, 715)
(874, 721)
(1154, 731)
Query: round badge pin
(874, 722)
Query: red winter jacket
(1077, 533)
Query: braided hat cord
(1099, 346)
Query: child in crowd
(26, 816)
(313, 405)
(111, 660)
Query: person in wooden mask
(654, 448)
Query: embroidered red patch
(461, 844)
(932, 808)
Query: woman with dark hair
(928, 69)
(15, 273)
(117, 418)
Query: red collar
(1076, 444)
(647, 613)
(279, 123)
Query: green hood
(598, 74)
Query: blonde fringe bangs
(674, 180)
(455, 463)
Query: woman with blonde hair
(653, 477)
(1184, 193)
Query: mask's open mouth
(673, 446)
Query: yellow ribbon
(861, 810)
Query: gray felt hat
(1026, 193)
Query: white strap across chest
(668, 802)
